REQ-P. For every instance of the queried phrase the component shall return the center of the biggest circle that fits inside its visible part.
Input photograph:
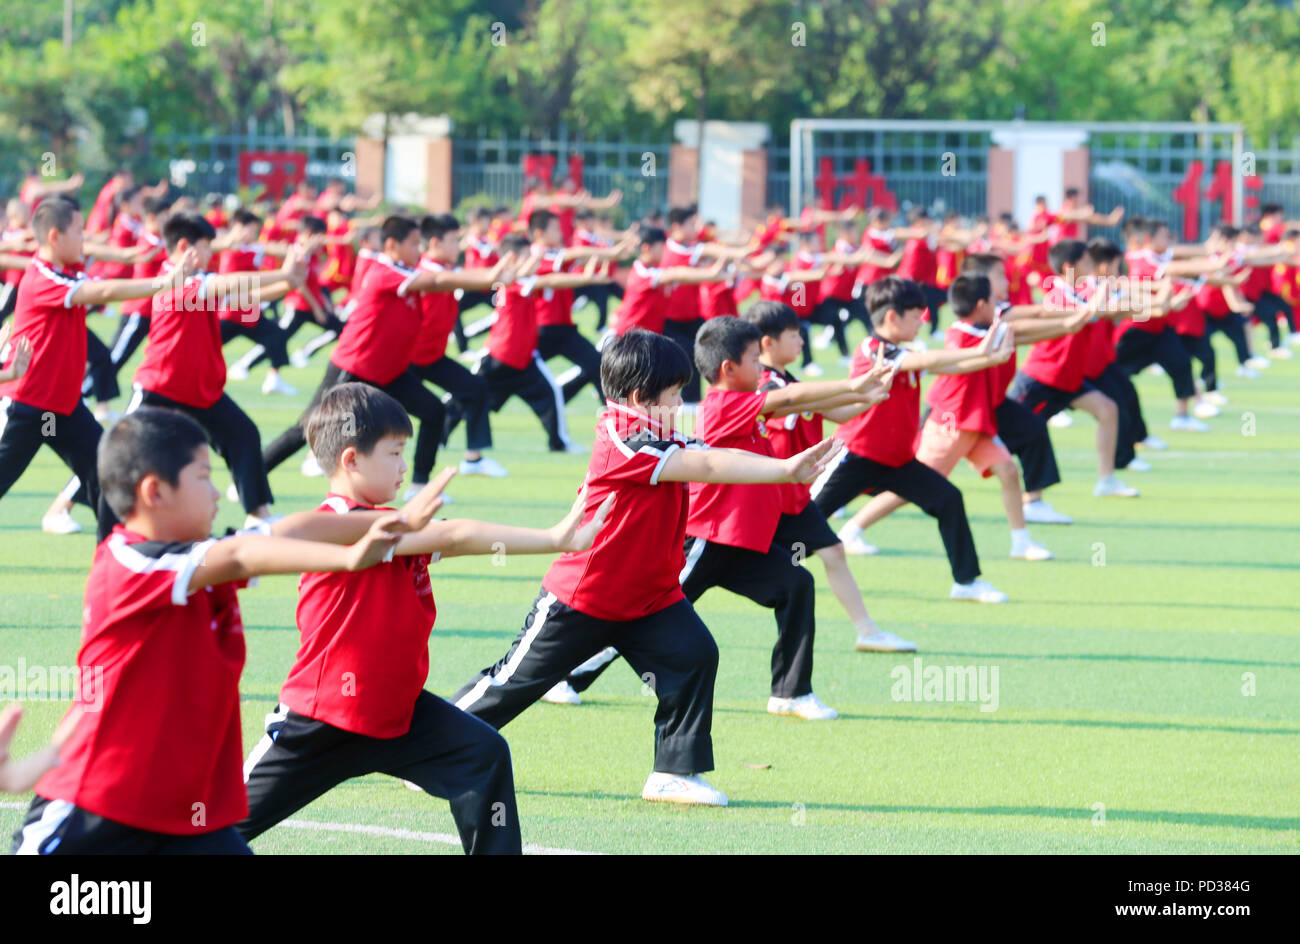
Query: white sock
(866, 627)
(849, 532)
(1019, 538)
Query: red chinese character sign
(862, 188)
(542, 167)
(1188, 194)
(276, 172)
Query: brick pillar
(682, 166)
(370, 166)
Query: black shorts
(1043, 399)
(809, 529)
(57, 827)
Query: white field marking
(446, 839)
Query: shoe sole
(1026, 557)
(795, 714)
(680, 801)
(858, 647)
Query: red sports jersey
(158, 743)
(43, 314)
(554, 306)
(183, 360)
(1043, 221)
(439, 311)
(365, 258)
(684, 299)
(1100, 352)
(966, 401)
(840, 287)
(1143, 264)
(919, 262)
(736, 515)
(148, 269)
(377, 338)
(886, 433)
(1190, 319)
(645, 304)
(804, 296)
(342, 258)
(239, 259)
(633, 568)
(1060, 362)
(480, 254)
(312, 285)
(719, 298)
(99, 219)
(512, 338)
(770, 231)
(14, 276)
(1006, 371)
(364, 656)
(125, 234)
(882, 241)
(790, 435)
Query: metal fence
(492, 166)
(209, 163)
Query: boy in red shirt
(963, 418)
(153, 764)
(354, 701)
(243, 253)
(881, 453)
(45, 405)
(645, 300)
(592, 600)
(134, 326)
(183, 368)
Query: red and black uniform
(558, 336)
(920, 263)
(354, 704)
(512, 366)
(682, 318)
(429, 362)
(592, 600)
(134, 326)
(241, 317)
(600, 293)
(1269, 305)
(645, 301)
(44, 406)
(880, 456)
(1141, 342)
(1190, 324)
(184, 370)
(1051, 378)
(153, 765)
(375, 348)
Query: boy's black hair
(771, 318)
(244, 215)
(156, 206)
(1102, 251)
(680, 214)
(1223, 229)
(312, 224)
(538, 220)
(1071, 192)
(1252, 229)
(478, 213)
(982, 263)
(584, 213)
(1067, 252)
(650, 235)
(188, 226)
(438, 225)
(397, 228)
(723, 339)
(367, 233)
(966, 292)
(513, 242)
(55, 212)
(147, 441)
(807, 237)
(1268, 209)
(643, 363)
(129, 194)
(892, 293)
(353, 414)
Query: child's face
(998, 283)
(983, 313)
(551, 236)
(784, 349)
(743, 374)
(407, 251)
(1160, 239)
(66, 245)
(902, 327)
(203, 248)
(376, 477)
(652, 254)
(184, 511)
(447, 248)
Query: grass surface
(1121, 723)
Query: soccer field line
(446, 839)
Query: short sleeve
(731, 413)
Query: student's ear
(149, 492)
(348, 459)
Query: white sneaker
(981, 591)
(1040, 512)
(484, 465)
(1138, 465)
(1205, 410)
(104, 414)
(300, 360)
(1215, 397)
(416, 487)
(813, 370)
(1248, 373)
(1154, 442)
(232, 493)
(1259, 363)
(60, 523)
(857, 545)
(1188, 424)
(1157, 370)
(237, 371)
(823, 340)
(1293, 339)
(809, 707)
(562, 693)
(883, 641)
(1111, 487)
(846, 362)
(679, 788)
(1281, 354)
(1032, 551)
(1061, 421)
(575, 449)
(274, 383)
(254, 523)
(310, 467)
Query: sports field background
(1121, 723)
